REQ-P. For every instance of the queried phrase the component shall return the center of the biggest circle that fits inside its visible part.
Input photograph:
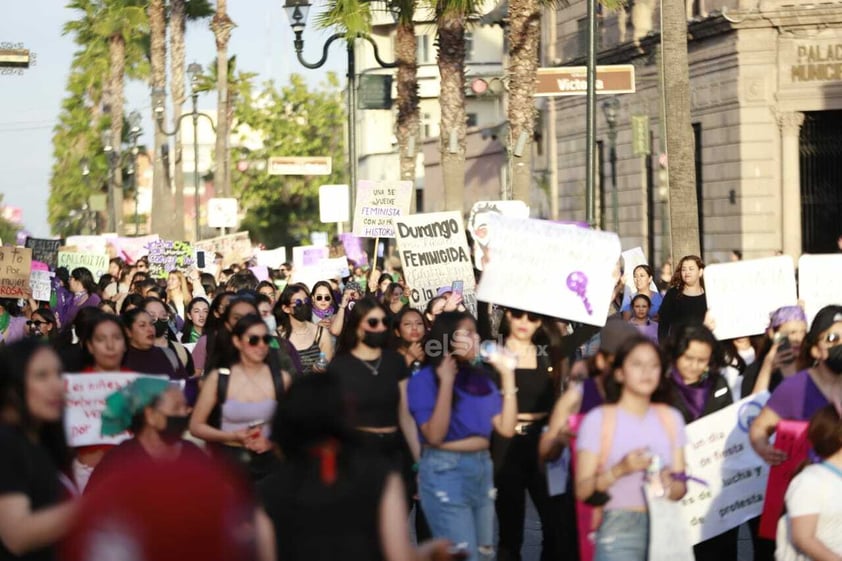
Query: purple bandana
(473, 381)
(785, 314)
(694, 396)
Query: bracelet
(507, 393)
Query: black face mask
(303, 312)
(175, 428)
(834, 359)
(161, 328)
(376, 339)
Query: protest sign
(791, 437)
(742, 294)
(354, 248)
(44, 250)
(39, 282)
(15, 266)
(816, 286)
(552, 269)
(272, 258)
(87, 244)
(478, 225)
(234, 248)
(84, 402)
(633, 258)
(261, 272)
(132, 249)
(378, 202)
(719, 452)
(434, 252)
(166, 256)
(309, 255)
(324, 269)
(96, 263)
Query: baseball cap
(614, 334)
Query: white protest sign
(553, 269)
(84, 402)
(41, 286)
(325, 269)
(634, 258)
(309, 255)
(222, 212)
(818, 282)
(479, 228)
(272, 258)
(334, 203)
(97, 264)
(87, 244)
(378, 202)
(719, 453)
(434, 252)
(742, 294)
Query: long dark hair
(87, 357)
(13, 366)
(680, 341)
(348, 338)
(614, 389)
(443, 329)
(244, 324)
(334, 303)
(677, 282)
(214, 321)
(221, 350)
(395, 341)
(547, 336)
(188, 323)
(86, 279)
(290, 290)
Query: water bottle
(653, 476)
(321, 364)
(488, 350)
(416, 367)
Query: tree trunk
(177, 64)
(524, 38)
(451, 61)
(221, 25)
(117, 67)
(162, 211)
(684, 216)
(408, 115)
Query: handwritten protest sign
(234, 248)
(478, 226)
(166, 256)
(84, 402)
(96, 263)
(742, 294)
(719, 453)
(434, 251)
(354, 248)
(132, 249)
(44, 250)
(309, 255)
(551, 269)
(15, 266)
(791, 437)
(87, 244)
(39, 283)
(815, 282)
(272, 258)
(378, 202)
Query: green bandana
(194, 336)
(5, 318)
(122, 405)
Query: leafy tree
(286, 121)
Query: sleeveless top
(310, 355)
(237, 415)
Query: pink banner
(791, 437)
(584, 513)
(39, 266)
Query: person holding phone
(778, 358)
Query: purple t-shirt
(476, 400)
(797, 398)
(631, 433)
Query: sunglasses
(300, 302)
(254, 340)
(321, 298)
(374, 322)
(833, 339)
(36, 323)
(518, 314)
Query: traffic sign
(222, 213)
(297, 165)
(573, 80)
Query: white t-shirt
(816, 490)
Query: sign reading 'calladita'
(818, 63)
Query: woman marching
(685, 302)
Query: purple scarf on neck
(694, 396)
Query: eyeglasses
(300, 302)
(254, 340)
(323, 298)
(518, 314)
(374, 322)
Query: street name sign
(573, 80)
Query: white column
(790, 124)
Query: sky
(30, 103)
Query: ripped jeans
(457, 495)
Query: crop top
(536, 389)
(373, 400)
(476, 401)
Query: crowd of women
(275, 421)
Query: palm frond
(352, 17)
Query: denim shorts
(622, 536)
(457, 495)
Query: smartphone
(786, 347)
(457, 288)
(200, 259)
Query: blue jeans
(622, 536)
(457, 495)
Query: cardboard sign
(235, 248)
(354, 248)
(434, 252)
(44, 250)
(132, 249)
(166, 256)
(551, 269)
(87, 244)
(15, 267)
(41, 285)
(791, 437)
(719, 453)
(309, 255)
(816, 286)
(84, 402)
(478, 226)
(272, 258)
(378, 203)
(96, 263)
(742, 294)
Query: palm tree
(162, 209)
(407, 88)
(221, 25)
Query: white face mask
(271, 323)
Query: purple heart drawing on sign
(577, 282)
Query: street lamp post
(134, 134)
(85, 169)
(194, 70)
(112, 157)
(610, 108)
(297, 11)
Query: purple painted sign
(577, 282)
(354, 248)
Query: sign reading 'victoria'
(573, 80)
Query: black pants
(764, 550)
(718, 548)
(518, 471)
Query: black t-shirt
(373, 399)
(752, 373)
(315, 521)
(678, 309)
(26, 468)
